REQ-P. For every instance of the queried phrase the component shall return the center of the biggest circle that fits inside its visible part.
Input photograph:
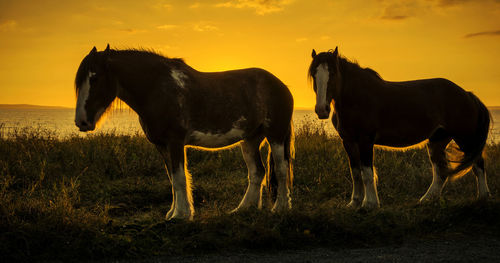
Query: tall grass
(105, 196)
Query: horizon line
(26, 105)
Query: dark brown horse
(179, 106)
(370, 111)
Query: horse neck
(128, 90)
(355, 82)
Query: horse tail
(272, 182)
(290, 154)
(289, 148)
(474, 148)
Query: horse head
(93, 88)
(325, 74)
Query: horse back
(250, 99)
(405, 113)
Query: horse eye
(92, 76)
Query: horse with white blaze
(179, 106)
(368, 111)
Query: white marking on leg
(182, 191)
(254, 190)
(371, 197)
(283, 200)
(179, 77)
(83, 95)
(436, 186)
(482, 185)
(322, 76)
(357, 188)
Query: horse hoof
(180, 216)
(427, 199)
(370, 206)
(484, 197)
(281, 209)
(353, 204)
(234, 211)
(168, 216)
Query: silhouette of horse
(370, 111)
(179, 106)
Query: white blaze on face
(179, 77)
(83, 94)
(321, 78)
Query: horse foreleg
(168, 166)
(369, 177)
(256, 172)
(434, 191)
(283, 199)
(357, 187)
(437, 156)
(182, 201)
(371, 200)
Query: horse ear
(313, 54)
(94, 50)
(336, 51)
(107, 48)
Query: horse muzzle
(85, 126)
(323, 111)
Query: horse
(369, 110)
(181, 107)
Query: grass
(105, 196)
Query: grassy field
(105, 197)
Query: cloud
(204, 27)
(397, 11)
(302, 39)
(167, 27)
(8, 25)
(261, 7)
(163, 5)
(448, 3)
(394, 17)
(483, 33)
(132, 30)
(195, 5)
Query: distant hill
(29, 106)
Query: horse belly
(215, 140)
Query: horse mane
(84, 67)
(346, 65)
(148, 52)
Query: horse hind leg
(437, 156)
(256, 173)
(483, 191)
(281, 168)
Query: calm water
(61, 121)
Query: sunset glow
(43, 42)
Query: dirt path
(458, 250)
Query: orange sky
(43, 42)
